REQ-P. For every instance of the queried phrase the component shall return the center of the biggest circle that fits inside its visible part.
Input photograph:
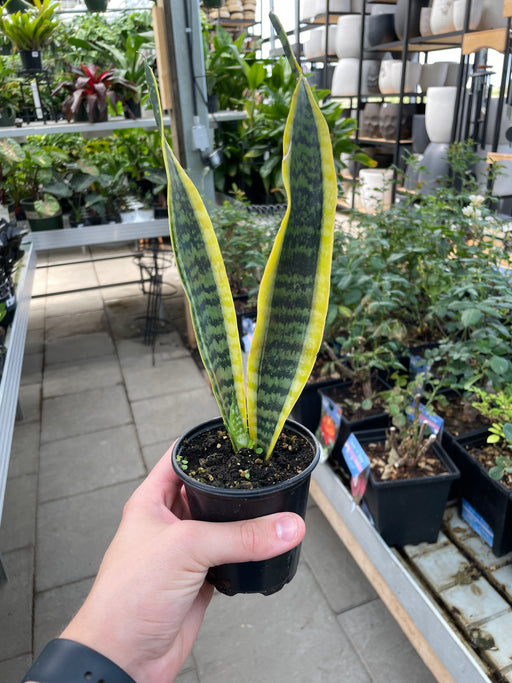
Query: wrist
(67, 661)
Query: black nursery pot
(32, 60)
(491, 502)
(408, 511)
(211, 504)
(308, 407)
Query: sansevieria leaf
(205, 282)
(294, 292)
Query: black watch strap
(65, 661)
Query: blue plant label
(359, 466)
(418, 365)
(477, 522)
(329, 427)
(248, 327)
(434, 422)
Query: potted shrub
(10, 94)
(91, 92)
(32, 29)
(485, 486)
(256, 437)
(409, 480)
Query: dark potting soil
(210, 458)
(428, 465)
(486, 455)
(459, 416)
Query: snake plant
(294, 291)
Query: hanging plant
(96, 5)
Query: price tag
(359, 466)
(434, 422)
(329, 427)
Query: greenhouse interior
(255, 310)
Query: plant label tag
(248, 327)
(418, 366)
(359, 466)
(329, 427)
(434, 422)
(37, 99)
(477, 522)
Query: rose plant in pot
(252, 460)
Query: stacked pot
(449, 15)
(348, 49)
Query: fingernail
(286, 528)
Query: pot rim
(244, 493)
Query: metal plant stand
(153, 259)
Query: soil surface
(459, 416)
(486, 455)
(349, 398)
(210, 458)
(428, 465)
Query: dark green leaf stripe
(204, 279)
(292, 298)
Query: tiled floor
(97, 415)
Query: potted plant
(32, 29)
(409, 479)
(72, 185)
(485, 486)
(90, 93)
(10, 94)
(287, 338)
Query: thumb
(214, 543)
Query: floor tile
(29, 397)
(39, 285)
(494, 639)
(167, 417)
(473, 601)
(83, 413)
(54, 608)
(168, 377)
(69, 304)
(19, 510)
(14, 669)
(71, 378)
(66, 277)
(24, 449)
(386, 652)
(79, 347)
(187, 676)
(88, 462)
(34, 341)
(87, 323)
(116, 270)
(341, 580)
(36, 319)
(16, 604)
(32, 369)
(290, 636)
(79, 529)
(443, 567)
(134, 353)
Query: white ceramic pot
(452, 74)
(412, 76)
(315, 46)
(492, 15)
(375, 188)
(459, 14)
(348, 36)
(433, 75)
(441, 17)
(334, 6)
(425, 29)
(434, 165)
(307, 9)
(385, 78)
(439, 112)
(380, 8)
(346, 74)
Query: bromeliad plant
(294, 291)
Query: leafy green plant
(10, 92)
(293, 296)
(33, 28)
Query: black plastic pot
(96, 5)
(32, 60)
(408, 511)
(308, 406)
(490, 511)
(211, 504)
(7, 115)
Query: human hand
(150, 595)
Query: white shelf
(107, 127)
(15, 343)
(99, 234)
